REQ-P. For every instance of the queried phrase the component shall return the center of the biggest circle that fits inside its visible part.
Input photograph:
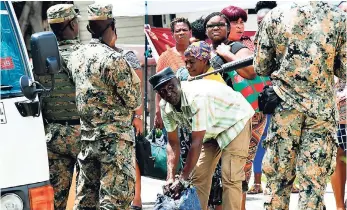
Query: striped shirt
(210, 106)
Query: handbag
(268, 100)
(152, 157)
(143, 154)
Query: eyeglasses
(68, 24)
(112, 24)
(219, 25)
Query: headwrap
(200, 50)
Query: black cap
(161, 77)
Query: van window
(13, 63)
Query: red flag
(160, 38)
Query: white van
(24, 172)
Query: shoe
(295, 189)
(255, 189)
(132, 207)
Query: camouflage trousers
(107, 175)
(63, 143)
(301, 146)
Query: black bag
(216, 193)
(144, 155)
(268, 100)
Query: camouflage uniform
(107, 92)
(61, 116)
(302, 46)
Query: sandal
(295, 189)
(255, 189)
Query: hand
(158, 121)
(340, 97)
(176, 188)
(223, 49)
(166, 187)
(137, 123)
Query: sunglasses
(112, 24)
(219, 25)
(67, 25)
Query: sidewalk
(151, 187)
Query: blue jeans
(257, 164)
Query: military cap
(98, 11)
(161, 78)
(61, 12)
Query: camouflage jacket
(302, 46)
(106, 92)
(66, 47)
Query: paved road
(151, 187)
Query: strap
(153, 135)
(64, 122)
(236, 46)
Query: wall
(129, 29)
(83, 20)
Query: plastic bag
(189, 200)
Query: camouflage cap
(61, 12)
(99, 11)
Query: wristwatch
(138, 116)
(185, 183)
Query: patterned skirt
(341, 136)
(258, 127)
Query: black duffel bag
(144, 155)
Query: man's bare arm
(173, 154)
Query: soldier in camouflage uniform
(59, 110)
(301, 46)
(107, 93)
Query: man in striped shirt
(219, 119)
